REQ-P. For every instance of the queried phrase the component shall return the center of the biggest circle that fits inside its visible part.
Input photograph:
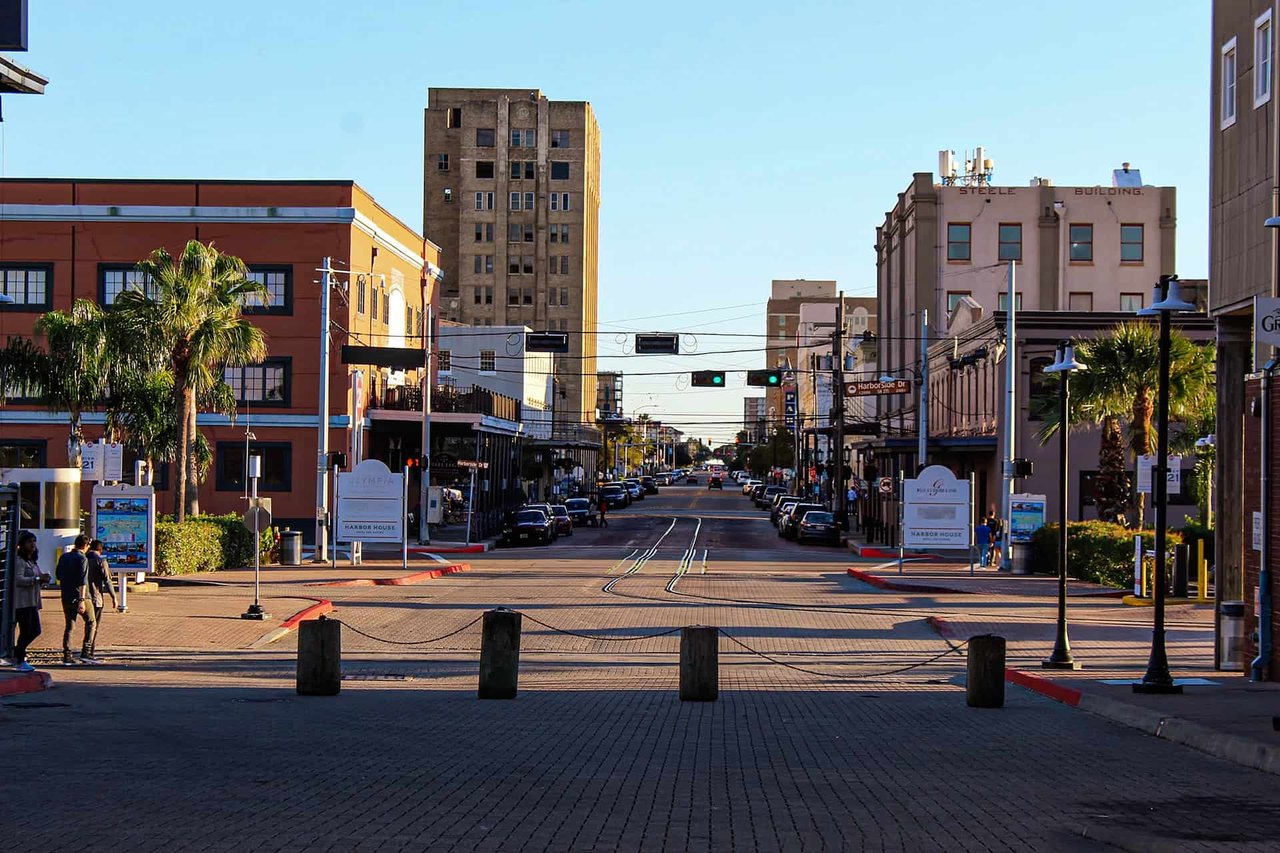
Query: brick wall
(1252, 504)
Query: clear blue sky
(742, 141)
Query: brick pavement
(211, 749)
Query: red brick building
(1252, 505)
(62, 240)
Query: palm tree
(192, 318)
(22, 367)
(1121, 385)
(74, 369)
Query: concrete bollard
(500, 654)
(985, 685)
(319, 657)
(699, 663)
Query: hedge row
(1097, 551)
(207, 543)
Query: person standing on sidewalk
(99, 581)
(982, 538)
(72, 573)
(603, 504)
(996, 526)
(28, 579)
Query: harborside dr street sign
(876, 388)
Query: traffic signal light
(708, 378)
(765, 378)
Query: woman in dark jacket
(28, 579)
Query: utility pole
(322, 439)
(424, 489)
(922, 450)
(837, 413)
(1010, 414)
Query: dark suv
(650, 485)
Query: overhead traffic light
(708, 378)
(765, 378)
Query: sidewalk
(935, 576)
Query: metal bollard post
(499, 654)
(319, 657)
(699, 663)
(984, 687)
(1181, 567)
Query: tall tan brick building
(512, 196)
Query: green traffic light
(717, 379)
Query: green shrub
(207, 543)
(1097, 551)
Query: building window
(484, 232)
(1081, 237)
(524, 138)
(527, 293)
(23, 453)
(442, 162)
(522, 169)
(1010, 248)
(528, 201)
(360, 295)
(954, 297)
(959, 247)
(1002, 302)
(559, 139)
(1131, 303)
(1043, 388)
(564, 296)
(484, 201)
(515, 201)
(1262, 47)
(488, 294)
(559, 201)
(564, 265)
(526, 265)
(444, 361)
(277, 465)
(373, 307)
(478, 295)
(278, 296)
(520, 232)
(513, 296)
(485, 137)
(560, 231)
(484, 169)
(454, 117)
(386, 307)
(28, 285)
(265, 384)
(488, 361)
(559, 170)
(1079, 301)
(1131, 244)
(1228, 91)
(114, 280)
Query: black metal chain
(410, 642)
(595, 637)
(953, 649)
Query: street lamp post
(1157, 678)
(1064, 365)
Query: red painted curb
(1043, 686)
(942, 626)
(312, 612)
(460, 549)
(881, 554)
(884, 583)
(27, 682)
(403, 580)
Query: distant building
(609, 395)
(754, 416)
(512, 196)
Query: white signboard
(100, 461)
(1147, 463)
(124, 518)
(1266, 320)
(370, 504)
(90, 471)
(936, 511)
(1257, 531)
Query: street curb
(1228, 747)
(27, 682)
(403, 580)
(884, 583)
(321, 606)
(873, 553)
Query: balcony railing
(447, 399)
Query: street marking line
(704, 561)
(615, 566)
(686, 562)
(639, 563)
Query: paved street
(195, 740)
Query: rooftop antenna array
(976, 172)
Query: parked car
(715, 481)
(560, 516)
(818, 526)
(581, 512)
(614, 496)
(662, 479)
(528, 526)
(545, 509)
(691, 480)
(765, 498)
(633, 487)
(789, 521)
(749, 484)
(782, 506)
(650, 485)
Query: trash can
(1231, 636)
(291, 548)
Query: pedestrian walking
(982, 538)
(72, 573)
(26, 597)
(99, 582)
(996, 526)
(603, 505)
